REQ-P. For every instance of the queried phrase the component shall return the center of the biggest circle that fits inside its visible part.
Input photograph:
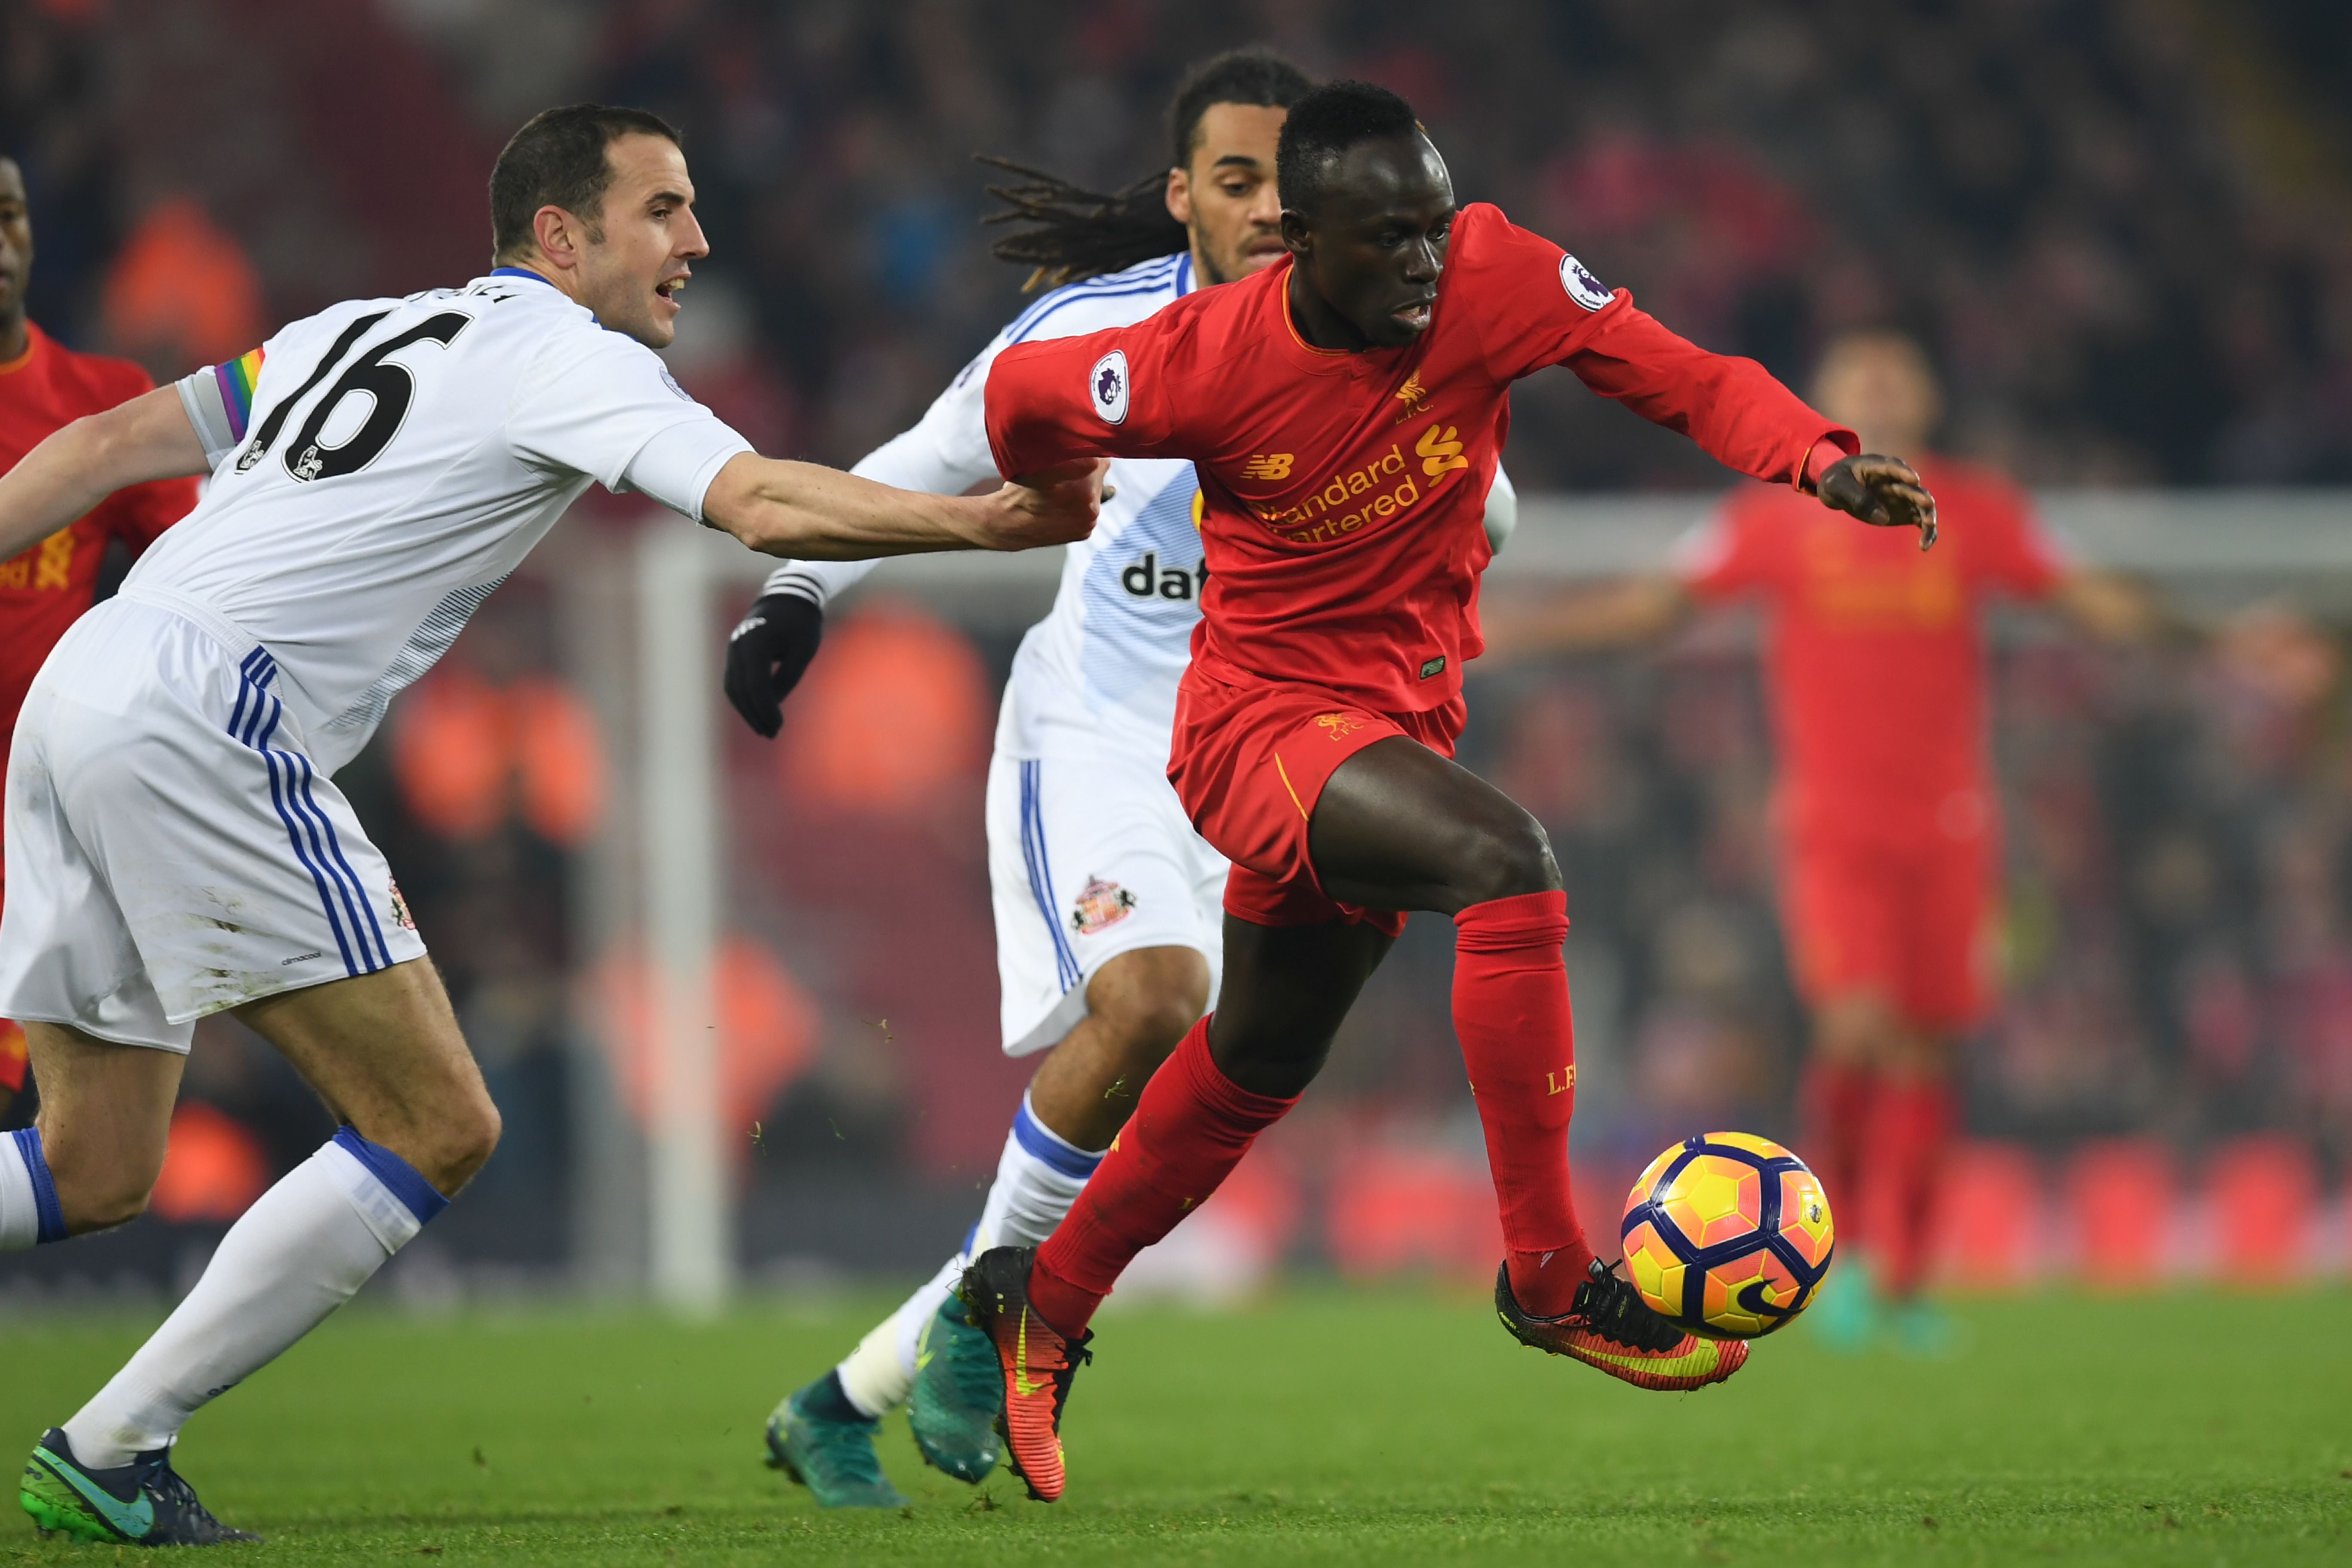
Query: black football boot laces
(1612, 1308)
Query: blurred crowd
(2124, 227)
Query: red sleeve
(1539, 306)
(1102, 395)
(1727, 555)
(2007, 546)
(139, 515)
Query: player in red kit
(1886, 805)
(45, 386)
(1344, 410)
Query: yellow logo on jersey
(1440, 451)
(1267, 466)
(1414, 397)
(48, 564)
(1340, 725)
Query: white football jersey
(381, 467)
(1102, 666)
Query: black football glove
(767, 654)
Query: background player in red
(1344, 410)
(1886, 805)
(45, 386)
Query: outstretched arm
(817, 513)
(1623, 613)
(2115, 609)
(80, 466)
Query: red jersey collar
(34, 338)
(1370, 362)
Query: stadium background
(2122, 227)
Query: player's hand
(1884, 492)
(1052, 506)
(767, 654)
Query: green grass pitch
(1321, 1428)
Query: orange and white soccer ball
(1728, 1235)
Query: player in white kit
(177, 846)
(1108, 907)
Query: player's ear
(1179, 196)
(560, 234)
(1296, 236)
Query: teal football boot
(959, 1395)
(142, 1503)
(1845, 1313)
(817, 1437)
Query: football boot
(959, 1395)
(143, 1503)
(832, 1458)
(1609, 1327)
(1035, 1364)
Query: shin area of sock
(1912, 1133)
(29, 1213)
(303, 1248)
(1191, 1126)
(1519, 1044)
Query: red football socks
(1834, 1106)
(1510, 1012)
(1191, 1128)
(1909, 1133)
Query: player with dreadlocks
(1107, 902)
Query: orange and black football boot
(1609, 1326)
(1037, 1363)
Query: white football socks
(28, 1199)
(298, 1254)
(1037, 1179)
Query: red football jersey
(1875, 663)
(1341, 494)
(44, 589)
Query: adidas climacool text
(1037, 1363)
(1610, 1328)
(142, 1503)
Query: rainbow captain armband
(238, 379)
(219, 403)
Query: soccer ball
(1727, 1235)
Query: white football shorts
(172, 850)
(1087, 859)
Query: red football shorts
(1906, 921)
(1249, 762)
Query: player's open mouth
(670, 288)
(1415, 315)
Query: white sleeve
(945, 454)
(609, 408)
(207, 410)
(1502, 510)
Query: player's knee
(1149, 1026)
(456, 1143)
(1505, 858)
(94, 1197)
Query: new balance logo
(1267, 466)
(1440, 451)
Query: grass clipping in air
(1324, 1427)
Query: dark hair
(1323, 125)
(1078, 232)
(557, 159)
